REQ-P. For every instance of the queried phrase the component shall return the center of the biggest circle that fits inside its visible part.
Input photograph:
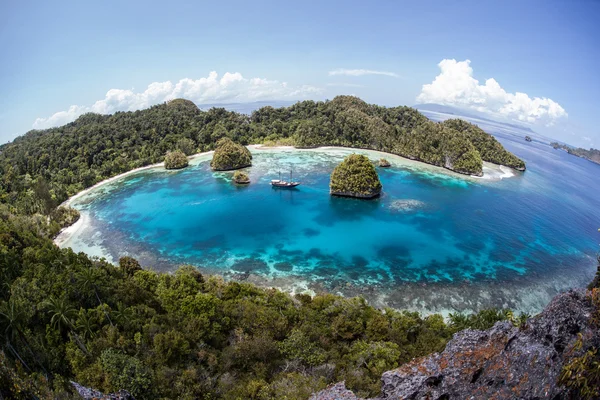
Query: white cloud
(231, 87)
(361, 72)
(349, 85)
(456, 86)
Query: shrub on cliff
(175, 160)
(230, 155)
(355, 177)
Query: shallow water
(434, 241)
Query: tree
(129, 265)
(186, 145)
(61, 311)
(12, 315)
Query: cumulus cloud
(456, 86)
(231, 87)
(348, 85)
(361, 72)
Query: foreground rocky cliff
(503, 362)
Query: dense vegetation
(67, 316)
(582, 374)
(355, 177)
(44, 167)
(176, 160)
(591, 154)
(488, 147)
(229, 155)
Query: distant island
(592, 154)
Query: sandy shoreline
(405, 161)
(124, 174)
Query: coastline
(261, 147)
(426, 297)
(396, 160)
(67, 202)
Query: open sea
(435, 241)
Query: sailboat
(284, 184)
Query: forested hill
(42, 168)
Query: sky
(535, 62)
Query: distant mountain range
(471, 114)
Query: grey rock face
(503, 362)
(92, 394)
(335, 392)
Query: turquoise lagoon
(434, 242)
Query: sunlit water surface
(434, 241)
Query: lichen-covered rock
(355, 177)
(230, 155)
(92, 394)
(176, 160)
(335, 392)
(503, 362)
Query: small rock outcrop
(176, 160)
(230, 155)
(92, 394)
(335, 392)
(383, 163)
(241, 178)
(503, 362)
(355, 177)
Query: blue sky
(64, 57)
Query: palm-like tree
(11, 317)
(87, 281)
(122, 314)
(62, 312)
(86, 325)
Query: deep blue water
(432, 242)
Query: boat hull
(286, 185)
